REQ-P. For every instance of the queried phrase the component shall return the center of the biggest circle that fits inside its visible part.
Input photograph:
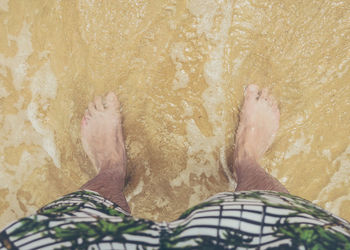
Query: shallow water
(179, 69)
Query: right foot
(101, 134)
(258, 125)
(259, 122)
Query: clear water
(179, 68)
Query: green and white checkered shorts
(243, 220)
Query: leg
(259, 121)
(102, 138)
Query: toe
(86, 114)
(277, 109)
(98, 103)
(252, 88)
(112, 101)
(264, 94)
(85, 118)
(92, 108)
(274, 105)
(272, 102)
(252, 91)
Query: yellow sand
(179, 69)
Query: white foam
(15, 179)
(3, 92)
(340, 179)
(206, 152)
(181, 80)
(138, 189)
(4, 5)
(284, 179)
(18, 64)
(177, 52)
(44, 83)
(188, 110)
(327, 153)
(302, 144)
(44, 87)
(200, 152)
(204, 11)
(344, 66)
(16, 130)
(177, 55)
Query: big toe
(98, 103)
(252, 91)
(112, 101)
(264, 94)
(92, 108)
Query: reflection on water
(179, 68)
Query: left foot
(102, 136)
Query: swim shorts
(242, 220)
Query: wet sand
(179, 69)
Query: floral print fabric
(242, 220)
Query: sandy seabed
(179, 69)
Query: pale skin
(258, 125)
(102, 139)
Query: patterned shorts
(243, 220)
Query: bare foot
(259, 122)
(102, 136)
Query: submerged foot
(259, 122)
(102, 136)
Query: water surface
(179, 69)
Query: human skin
(102, 139)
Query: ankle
(112, 165)
(107, 179)
(243, 157)
(109, 183)
(244, 163)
